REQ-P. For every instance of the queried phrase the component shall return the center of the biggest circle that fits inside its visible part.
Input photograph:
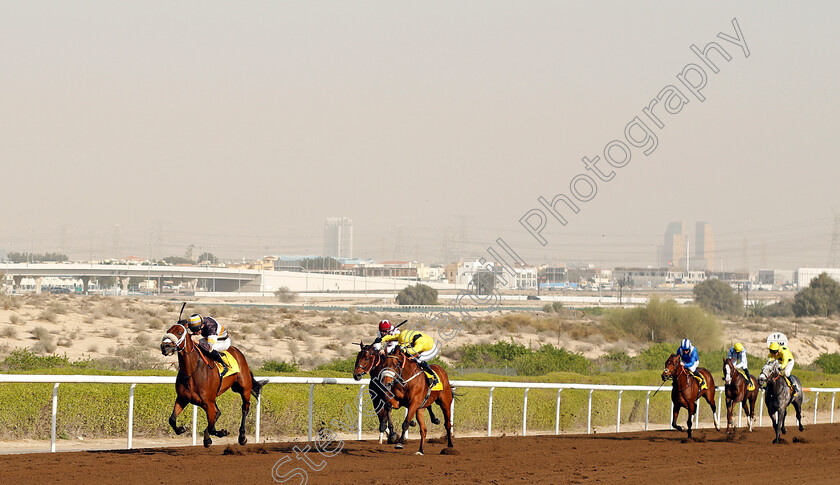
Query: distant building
(338, 237)
(641, 277)
(673, 251)
(775, 277)
(704, 248)
(3, 258)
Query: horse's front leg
(180, 404)
(730, 404)
(409, 417)
(674, 418)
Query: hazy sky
(143, 127)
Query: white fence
(56, 380)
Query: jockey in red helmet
(386, 328)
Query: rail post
(647, 410)
(525, 413)
(618, 414)
(557, 413)
(489, 412)
(311, 405)
(740, 411)
(130, 413)
(452, 414)
(816, 399)
(831, 419)
(54, 411)
(361, 390)
(761, 408)
(589, 414)
(257, 418)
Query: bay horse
(736, 390)
(406, 381)
(685, 391)
(777, 396)
(371, 361)
(198, 382)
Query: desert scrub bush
(45, 342)
(285, 295)
(8, 332)
(156, 323)
(664, 321)
(48, 316)
(278, 332)
(16, 319)
(9, 302)
(59, 308)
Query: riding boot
(215, 355)
(425, 366)
(749, 378)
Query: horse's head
(728, 370)
(770, 371)
(671, 367)
(366, 359)
(174, 340)
(391, 370)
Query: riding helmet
(194, 322)
(385, 326)
(738, 347)
(686, 344)
(774, 346)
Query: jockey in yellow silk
(421, 347)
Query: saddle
(700, 380)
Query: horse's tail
(256, 386)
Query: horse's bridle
(375, 362)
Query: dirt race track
(645, 457)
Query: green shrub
(829, 363)
(25, 359)
(280, 366)
(555, 307)
(345, 366)
(418, 294)
(550, 359)
(718, 297)
(665, 321)
(820, 298)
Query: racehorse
(198, 382)
(736, 391)
(406, 382)
(369, 360)
(777, 396)
(686, 391)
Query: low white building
(805, 275)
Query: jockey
(214, 339)
(785, 358)
(386, 328)
(739, 359)
(419, 347)
(690, 360)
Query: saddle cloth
(439, 385)
(233, 365)
(750, 386)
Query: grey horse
(777, 396)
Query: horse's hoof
(412, 423)
(418, 453)
(242, 439)
(180, 430)
(221, 433)
(801, 428)
(207, 442)
(392, 439)
(436, 421)
(398, 446)
(784, 431)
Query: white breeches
(220, 345)
(429, 354)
